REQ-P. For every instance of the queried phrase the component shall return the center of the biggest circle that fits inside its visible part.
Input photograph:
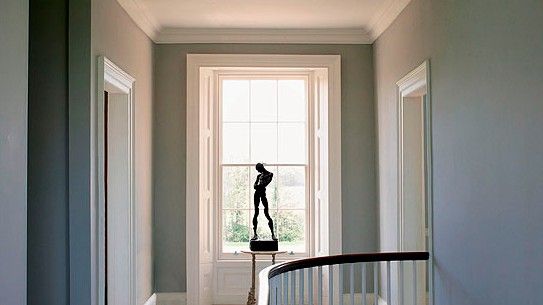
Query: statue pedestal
(264, 245)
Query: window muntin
(264, 119)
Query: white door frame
(112, 78)
(198, 113)
(413, 81)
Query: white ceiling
(304, 21)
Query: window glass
(264, 120)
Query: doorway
(115, 138)
(414, 184)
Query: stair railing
(311, 281)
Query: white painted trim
(277, 74)
(332, 137)
(139, 14)
(382, 20)
(413, 81)
(167, 298)
(221, 35)
(151, 300)
(116, 79)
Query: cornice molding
(141, 17)
(382, 20)
(306, 36)
(379, 23)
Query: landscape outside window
(264, 120)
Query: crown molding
(305, 36)
(141, 17)
(382, 20)
(379, 23)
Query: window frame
(210, 280)
(264, 74)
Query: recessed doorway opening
(415, 184)
(115, 168)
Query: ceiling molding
(141, 17)
(306, 36)
(379, 23)
(383, 19)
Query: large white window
(264, 118)
(293, 104)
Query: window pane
(263, 100)
(235, 187)
(235, 228)
(263, 142)
(271, 189)
(292, 143)
(291, 229)
(291, 100)
(235, 100)
(291, 186)
(235, 148)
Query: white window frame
(200, 163)
(262, 74)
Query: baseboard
(167, 298)
(180, 298)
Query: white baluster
(331, 285)
(285, 288)
(341, 288)
(376, 283)
(301, 274)
(351, 283)
(415, 283)
(319, 279)
(273, 292)
(279, 290)
(292, 287)
(401, 268)
(389, 302)
(363, 290)
(310, 285)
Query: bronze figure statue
(262, 180)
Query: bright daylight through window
(264, 119)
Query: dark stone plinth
(264, 245)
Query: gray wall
(117, 37)
(47, 154)
(13, 142)
(63, 55)
(169, 147)
(487, 87)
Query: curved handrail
(272, 271)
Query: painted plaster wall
(169, 148)
(486, 62)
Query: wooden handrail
(347, 259)
(303, 263)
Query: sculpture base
(264, 245)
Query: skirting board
(346, 299)
(180, 298)
(167, 298)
